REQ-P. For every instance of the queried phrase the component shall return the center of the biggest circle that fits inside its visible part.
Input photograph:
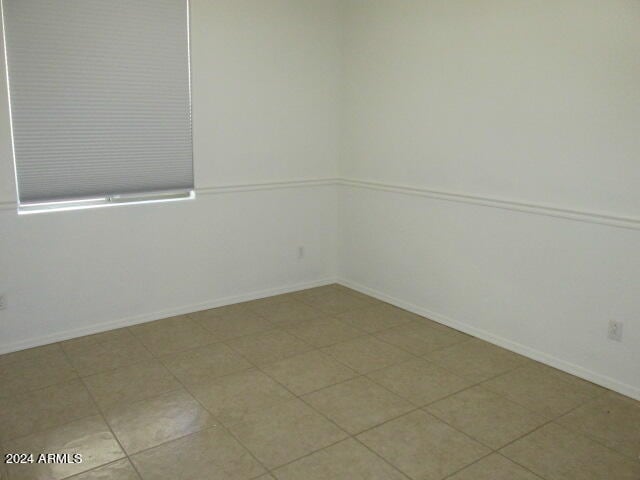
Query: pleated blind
(100, 98)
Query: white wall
(533, 100)
(489, 109)
(266, 86)
(527, 102)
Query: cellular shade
(100, 97)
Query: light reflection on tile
(89, 437)
(359, 380)
(148, 423)
(120, 470)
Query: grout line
(588, 435)
(388, 462)
(355, 436)
(156, 357)
(313, 348)
(75, 475)
(542, 358)
(357, 375)
(522, 466)
(104, 419)
(349, 435)
(218, 422)
(294, 397)
(553, 420)
(492, 450)
(478, 460)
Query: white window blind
(100, 99)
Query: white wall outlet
(615, 330)
(3, 302)
(300, 253)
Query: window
(100, 101)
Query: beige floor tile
(422, 337)
(120, 470)
(89, 437)
(316, 291)
(377, 317)
(612, 420)
(148, 423)
(130, 384)
(335, 302)
(234, 324)
(358, 404)
(308, 372)
(43, 409)
(494, 467)
(30, 354)
(357, 294)
(210, 454)
(231, 398)
(289, 313)
(477, 360)
(269, 347)
(285, 432)
(232, 309)
(200, 364)
(35, 373)
(172, 335)
(96, 339)
(261, 302)
(486, 416)
(325, 331)
(366, 354)
(556, 453)
(347, 460)
(544, 390)
(422, 446)
(105, 351)
(419, 381)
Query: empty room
(320, 240)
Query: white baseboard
(542, 357)
(158, 315)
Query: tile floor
(325, 383)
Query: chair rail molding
(619, 221)
(600, 218)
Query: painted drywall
(528, 102)
(266, 77)
(533, 102)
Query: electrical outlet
(615, 330)
(3, 302)
(300, 253)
